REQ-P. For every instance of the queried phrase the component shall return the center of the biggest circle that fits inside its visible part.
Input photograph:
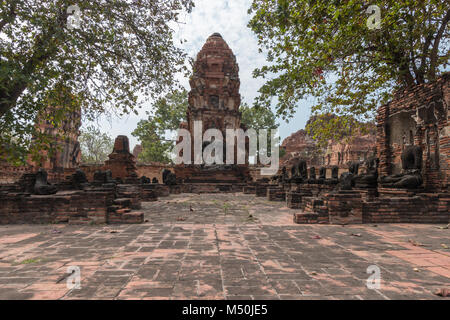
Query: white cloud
(230, 19)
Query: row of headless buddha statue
(78, 181)
(37, 183)
(409, 178)
(105, 177)
(299, 175)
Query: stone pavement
(223, 246)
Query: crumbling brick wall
(152, 170)
(417, 116)
(10, 173)
(71, 206)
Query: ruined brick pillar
(121, 162)
(383, 149)
(65, 148)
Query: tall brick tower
(60, 122)
(214, 98)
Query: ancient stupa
(214, 100)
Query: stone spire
(215, 81)
(214, 99)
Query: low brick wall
(67, 206)
(421, 208)
(212, 187)
(261, 189)
(249, 189)
(148, 192)
(130, 191)
(363, 206)
(322, 203)
(344, 207)
(93, 205)
(310, 218)
(276, 194)
(294, 198)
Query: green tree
(258, 118)
(168, 113)
(323, 127)
(155, 148)
(95, 145)
(334, 52)
(119, 49)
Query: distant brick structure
(64, 141)
(300, 145)
(137, 151)
(359, 149)
(418, 116)
(65, 156)
(121, 162)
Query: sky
(230, 19)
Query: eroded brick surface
(223, 246)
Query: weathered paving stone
(286, 287)
(212, 255)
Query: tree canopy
(108, 54)
(341, 56)
(257, 118)
(168, 113)
(95, 145)
(344, 128)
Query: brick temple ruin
(398, 174)
(407, 181)
(111, 193)
(214, 100)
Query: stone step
(126, 217)
(133, 217)
(306, 217)
(113, 208)
(123, 202)
(122, 211)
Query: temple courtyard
(223, 246)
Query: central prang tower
(214, 98)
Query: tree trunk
(8, 98)
(435, 49)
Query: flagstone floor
(223, 246)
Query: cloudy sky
(229, 18)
